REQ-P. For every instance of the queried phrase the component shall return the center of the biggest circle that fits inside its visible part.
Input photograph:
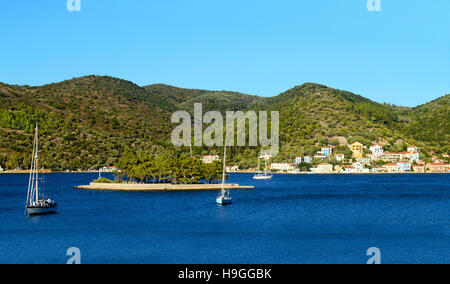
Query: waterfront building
(209, 159)
(340, 157)
(391, 168)
(298, 160)
(437, 167)
(108, 169)
(357, 149)
(324, 168)
(419, 168)
(377, 151)
(349, 170)
(327, 151)
(308, 159)
(378, 170)
(282, 167)
(359, 167)
(404, 167)
(1, 169)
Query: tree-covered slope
(91, 121)
(85, 122)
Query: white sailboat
(224, 197)
(261, 176)
(35, 204)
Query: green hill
(91, 121)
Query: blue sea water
(290, 219)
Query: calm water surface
(291, 219)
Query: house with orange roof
(437, 167)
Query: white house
(209, 159)
(404, 167)
(349, 170)
(358, 167)
(109, 169)
(340, 157)
(377, 151)
(308, 159)
(1, 169)
(282, 167)
(298, 160)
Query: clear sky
(399, 55)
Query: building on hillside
(1, 169)
(404, 167)
(419, 168)
(377, 151)
(391, 168)
(445, 156)
(340, 157)
(298, 160)
(324, 168)
(357, 149)
(392, 157)
(421, 163)
(364, 161)
(209, 159)
(413, 149)
(308, 159)
(437, 168)
(327, 151)
(320, 157)
(282, 167)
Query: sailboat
(224, 197)
(261, 176)
(35, 204)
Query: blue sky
(399, 55)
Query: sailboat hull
(224, 201)
(262, 177)
(41, 210)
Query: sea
(291, 219)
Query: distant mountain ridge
(90, 121)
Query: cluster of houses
(402, 162)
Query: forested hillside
(91, 121)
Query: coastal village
(364, 160)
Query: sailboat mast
(37, 162)
(224, 166)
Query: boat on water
(224, 197)
(36, 204)
(265, 175)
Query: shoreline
(240, 172)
